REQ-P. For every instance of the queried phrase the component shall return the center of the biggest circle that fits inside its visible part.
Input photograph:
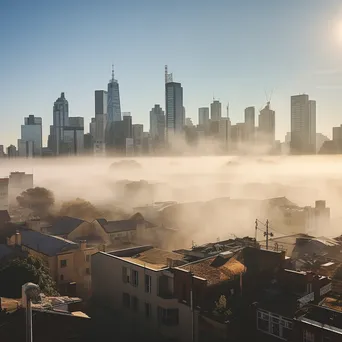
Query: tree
(16, 272)
(39, 200)
(221, 307)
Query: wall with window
(304, 332)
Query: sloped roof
(64, 225)
(215, 270)
(46, 244)
(4, 216)
(281, 202)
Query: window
(148, 284)
(135, 303)
(63, 263)
(308, 336)
(135, 278)
(168, 317)
(87, 270)
(125, 275)
(126, 300)
(87, 257)
(148, 310)
(61, 277)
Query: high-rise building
(100, 121)
(25, 148)
(2, 151)
(4, 185)
(266, 129)
(174, 109)
(73, 143)
(157, 124)
(127, 120)
(216, 110)
(203, 116)
(250, 124)
(113, 103)
(138, 136)
(303, 124)
(225, 133)
(60, 120)
(11, 151)
(31, 137)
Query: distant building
(19, 182)
(92, 128)
(138, 136)
(203, 116)
(2, 152)
(216, 110)
(31, 137)
(113, 105)
(157, 125)
(250, 124)
(88, 143)
(303, 125)
(174, 109)
(188, 122)
(266, 129)
(4, 187)
(100, 121)
(225, 133)
(12, 151)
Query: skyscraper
(266, 129)
(113, 104)
(60, 120)
(31, 137)
(100, 121)
(174, 108)
(74, 136)
(250, 124)
(157, 124)
(303, 124)
(216, 110)
(203, 116)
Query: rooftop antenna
(112, 72)
(228, 110)
(166, 74)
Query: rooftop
(46, 244)
(216, 270)
(332, 303)
(64, 225)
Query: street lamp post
(32, 292)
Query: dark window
(148, 310)
(168, 317)
(135, 303)
(125, 274)
(126, 300)
(148, 284)
(61, 277)
(135, 278)
(88, 270)
(63, 263)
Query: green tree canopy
(16, 272)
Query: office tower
(249, 124)
(60, 120)
(216, 110)
(203, 116)
(88, 143)
(174, 109)
(303, 124)
(113, 104)
(92, 127)
(266, 129)
(157, 124)
(138, 135)
(25, 148)
(31, 137)
(100, 121)
(128, 133)
(73, 143)
(2, 151)
(11, 151)
(225, 133)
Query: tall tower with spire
(113, 105)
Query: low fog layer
(205, 184)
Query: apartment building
(139, 284)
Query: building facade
(266, 129)
(216, 110)
(250, 124)
(203, 116)
(113, 104)
(157, 124)
(31, 134)
(60, 120)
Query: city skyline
(242, 79)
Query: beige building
(68, 262)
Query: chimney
(17, 238)
(83, 245)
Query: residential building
(303, 125)
(4, 190)
(266, 129)
(157, 125)
(68, 262)
(60, 120)
(174, 109)
(138, 282)
(203, 116)
(138, 136)
(113, 104)
(250, 124)
(215, 110)
(31, 134)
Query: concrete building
(215, 110)
(113, 103)
(266, 129)
(250, 124)
(138, 136)
(4, 197)
(138, 282)
(60, 120)
(303, 125)
(203, 116)
(174, 109)
(157, 125)
(31, 135)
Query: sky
(239, 52)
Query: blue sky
(234, 50)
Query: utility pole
(256, 231)
(192, 308)
(267, 234)
(31, 292)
